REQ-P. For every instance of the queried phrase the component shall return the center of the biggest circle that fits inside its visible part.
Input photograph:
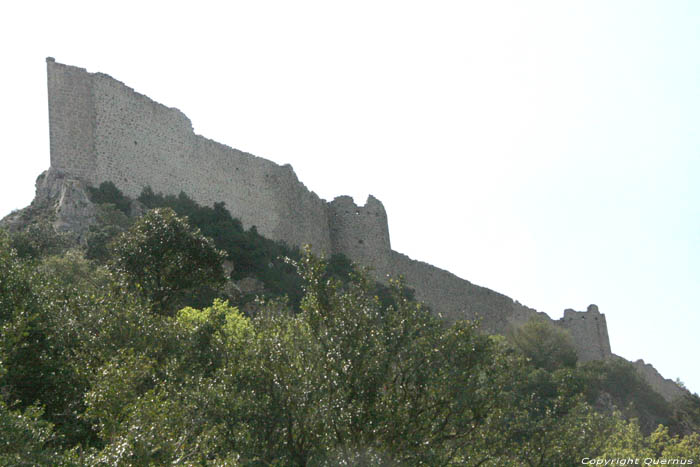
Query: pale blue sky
(549, 150)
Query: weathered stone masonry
(102, 130)
(588, 325)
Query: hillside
(132, 335)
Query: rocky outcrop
(68, 198)
(60, 200)
(74, 210)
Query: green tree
(547, 346)
(252, 254)
(628, 440)
(26, 439)
(687, 412)
(350, 380)
(38, 240)
(35, 343)
(157, 408)
(108, 193)
(161, 257)
(212, 337)
(111, 221)
(619, 383)
(352, 375)
(549, 421)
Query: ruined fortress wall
(458, 298)
(102, 130)
(668, 389)
(362, 234)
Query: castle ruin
(102, 130)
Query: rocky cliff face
(75, 213)
(61, 200)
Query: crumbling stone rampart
(668, 389)
(102, 130)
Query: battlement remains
(359, 232)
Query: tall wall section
(71, 120)
(102, 130)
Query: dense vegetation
(250, 254)
(136, 351)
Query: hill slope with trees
(148, 345)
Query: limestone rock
(60, 200)
(74, 211)
(68, 198)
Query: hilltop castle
(102, 130)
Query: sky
(546, 150)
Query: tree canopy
(161, 256)
(103, 362)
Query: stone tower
(589, 331)
(359, 232)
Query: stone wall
(668, 389)
(102, 130)
(362, 233)
(457, 298)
